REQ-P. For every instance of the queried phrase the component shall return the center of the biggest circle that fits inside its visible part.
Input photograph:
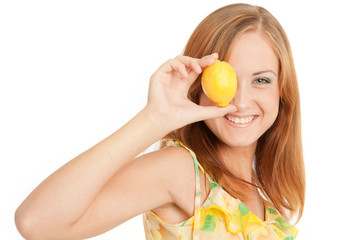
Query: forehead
(252, 53)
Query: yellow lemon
(219, 83)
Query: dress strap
(197, 208)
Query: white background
(72, 72)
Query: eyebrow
(265, 71)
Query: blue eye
(262, 80)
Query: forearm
(66, 194)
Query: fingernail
(215, 55)
(232, 108)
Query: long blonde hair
(279, 165)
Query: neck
(240, 161)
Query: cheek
(271, 107)
(275, 112)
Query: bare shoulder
(175, 165)
(178, 174)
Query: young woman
(223, 173)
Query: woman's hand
(168, 90)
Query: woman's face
(257, 96)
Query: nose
(242, 98)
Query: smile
(240, 120)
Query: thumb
(214, 111)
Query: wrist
(156, 121)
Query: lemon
(219, 82)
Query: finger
(202, 64)
(208, 60)
(209, 112)
(195, 66)
(178, 67)
(196, 70)
(191, 63)
(192, 66)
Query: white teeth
(239, 120)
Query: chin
(235, 140)
(239, 143)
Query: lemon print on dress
(219, 82)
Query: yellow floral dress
(220, 217)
